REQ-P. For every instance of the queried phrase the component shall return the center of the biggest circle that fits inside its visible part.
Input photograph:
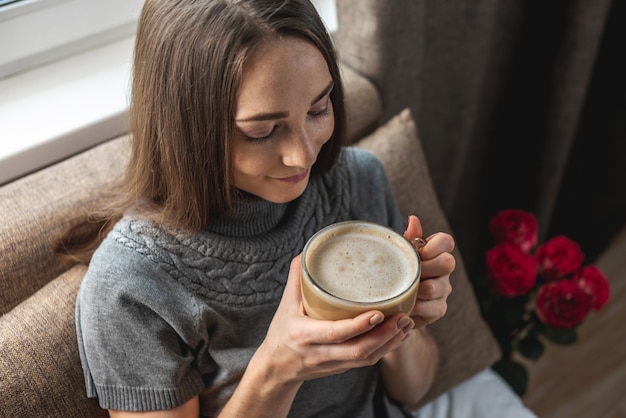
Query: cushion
(40, 370)
(465, 341)
(363, 104)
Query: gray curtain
(519, 104)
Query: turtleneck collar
(249, 216)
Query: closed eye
(262, 138)
(320, 113)
(321, 106)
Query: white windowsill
(60, 109)
(70, 105)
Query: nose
(299, 150)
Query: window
(64, 76)
(328, 10)
(4, 2)
(35, 32)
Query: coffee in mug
(355, 266)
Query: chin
(277, 193)
(284, 197)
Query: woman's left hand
(437, 265)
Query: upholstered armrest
(39, 208)
(40, 373)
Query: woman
(191, 304)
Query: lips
(294, 179)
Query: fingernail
(376, 319)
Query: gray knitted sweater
(162, 317)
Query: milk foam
(361, 266)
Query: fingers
(442, 265)
(428, 312)
(437, 265)
(436, 244)
(336, 332)
(366, 347)
(435, 288)
(392, 343)
(414, 228)
(306, 348)
(436, 255)
(431, 303)
(292, 296)
(325, 332)
(432, 296)
(292, 288)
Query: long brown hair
(188, 62)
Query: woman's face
(283, 116)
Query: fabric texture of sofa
(40, 371)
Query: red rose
(562, 304)
(593, 282)
(516, 227)
(558, 257)
(510, 271)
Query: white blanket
(486, 395)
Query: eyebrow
(281, 115)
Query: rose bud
(516, 227)
(510, 271)
(562, 304)
(558, 257)
(595, 284)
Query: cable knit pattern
(238, 269)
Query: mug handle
(418, 243)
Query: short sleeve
(136, 345)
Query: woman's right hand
(300, 348)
